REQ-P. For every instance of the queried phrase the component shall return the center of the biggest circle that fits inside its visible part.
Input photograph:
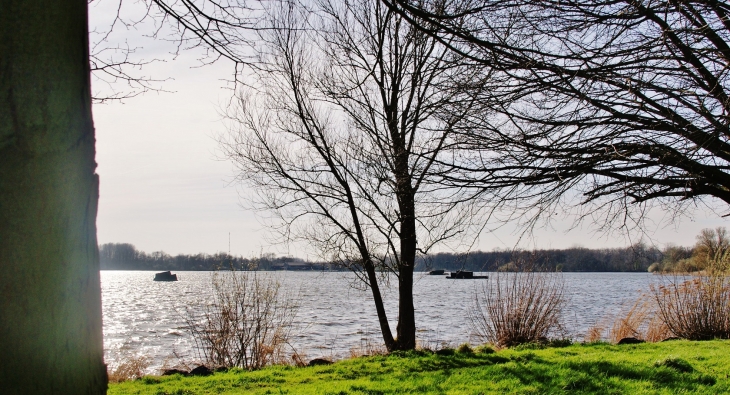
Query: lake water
(336, 314)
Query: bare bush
(516, 308)
(695, 309)
(247, 325)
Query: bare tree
(624, 102)
(711, 252)
(343, 134)
(216, 29)
(115, 67)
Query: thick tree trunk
(406, 330)
(406, 315)
(50, 297)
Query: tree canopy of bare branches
(215, 29)
(344, 134)
(625, 102)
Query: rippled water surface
(146, 317)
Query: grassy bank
(664, 368)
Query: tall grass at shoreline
(129, 367)
(641, 321)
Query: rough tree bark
(50, 296)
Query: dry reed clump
(517, 308)
(695, 309)
(641, 321)
(130, 367)
(247, 325)
(594, 334)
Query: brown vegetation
(516, 308)
(697, 308)
(641, 321)
(594, 334)
(247, 325)
(131, 367)
(693, 307)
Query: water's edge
(336, 315)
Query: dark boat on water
(439, 272)
(464, 275)
(165, 276)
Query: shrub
(674, 259)
(655, 267)
(247, 325)
(516, 308)
(695, 309)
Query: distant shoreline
(637, 258)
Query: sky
(164, 187)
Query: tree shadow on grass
(458, 361)
(596, 377)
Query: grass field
(672, 367)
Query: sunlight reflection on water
(148, 318)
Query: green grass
(662, 368)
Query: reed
(594, 334)
(632, 323)
(641, 321)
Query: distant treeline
(124, 256)
(637, 258)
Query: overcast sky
(163, 187)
